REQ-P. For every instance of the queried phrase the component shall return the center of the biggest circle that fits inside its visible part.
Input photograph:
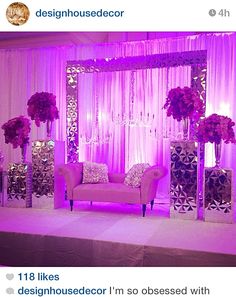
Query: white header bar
(122, 15)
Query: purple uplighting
(123, 158)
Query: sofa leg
(144, 206)
(91, 202)
(152, 203)
(71, 205)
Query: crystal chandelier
(132, 119)
(137, 120)
(95, 138)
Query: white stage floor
(111, 235)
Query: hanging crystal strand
(97, 136)
(1, 160)
(131, 100)
(166, 121)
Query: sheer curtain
(122, 121)
(26, 71)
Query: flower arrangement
(216, 128)
(183, 103)
(16, 131)
(42, 107)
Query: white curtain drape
(122, 121)
(26, 71)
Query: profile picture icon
(17, 13)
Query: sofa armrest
(116, 177)
(73, 174)
(149, 183)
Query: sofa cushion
(110, 192)
(94, 173)
(134, 175)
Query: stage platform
(111, 235)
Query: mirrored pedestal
(184, 179)
(19, 185)
(218, 195)
(47, 187)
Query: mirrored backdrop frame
(196, 59)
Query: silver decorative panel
(43, 168)
(184, 177)
(198, 83)
(138, 62)
(19, 185)
(72, 118)
(218, 195)
(196, 59)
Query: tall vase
(23, 152)
(49, 128)
(217, 147)
(185, 122)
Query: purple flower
(16, 131)
(184, 103)
(216, 128)
(42, 107)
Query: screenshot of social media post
(117, 148)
